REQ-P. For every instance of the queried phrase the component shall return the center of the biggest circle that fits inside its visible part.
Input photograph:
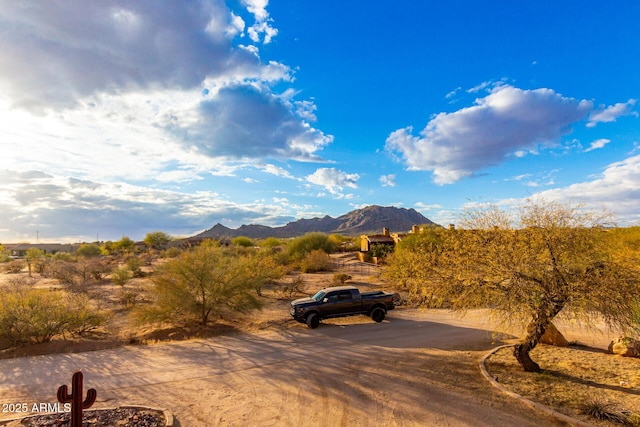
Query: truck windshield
(318, 296)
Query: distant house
(367, 241)
(19, 250)
(387, 238)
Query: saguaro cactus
(75, 398)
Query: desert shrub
(171, 252)
(37, 315)
(381, 251)
(299, 247)
(604, 410)
(317, 260)
(129, 297)
(242, 241)
(135, 265)
(270, 242)
(78, 274)
(62, 256)
(15, 266)
(293, 287)
(89, 250)
(4, 254)
(120, 276)
(341, 278)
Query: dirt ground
(417, 368)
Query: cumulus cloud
(159, 87)
(245, 121)
(616, 189)
(262, 25)
(507, 121)
(84, 48)
(612, 112)
(333, 180)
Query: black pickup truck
(342, 301)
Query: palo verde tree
(157, 240)
(199, 283)
(556, 259)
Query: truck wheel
(378, 314)
(313, 321)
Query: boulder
(552, 336)
(625, 346)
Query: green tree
(89, 250)
(202, 282)
(123, 246)
(558, 258)
(157, 240)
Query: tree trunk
(535, 331)
(521, 353)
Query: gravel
(128, 416)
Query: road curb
(168, 416)
(530, 403)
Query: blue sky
(121, 118)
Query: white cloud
(236, 25)
(388, 180)
(262, 25)
(67, 209)
(425, 207)
(277, 171)
(612, 112)
(480, 87)
(110, 47)
(246, 121)
(334, 180)
(616, 190)
(142, 92)
(508, 120)
(597, 144)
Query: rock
(625, 346)
(552, 336)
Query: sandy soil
(417, 368)
(411, 370)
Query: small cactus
(75, 398)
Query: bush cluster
(37, 315)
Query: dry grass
(582, 382)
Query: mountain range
(368, 220)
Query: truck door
(350, 302)
(331, 304)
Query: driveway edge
(168, 416)
(530, 403)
